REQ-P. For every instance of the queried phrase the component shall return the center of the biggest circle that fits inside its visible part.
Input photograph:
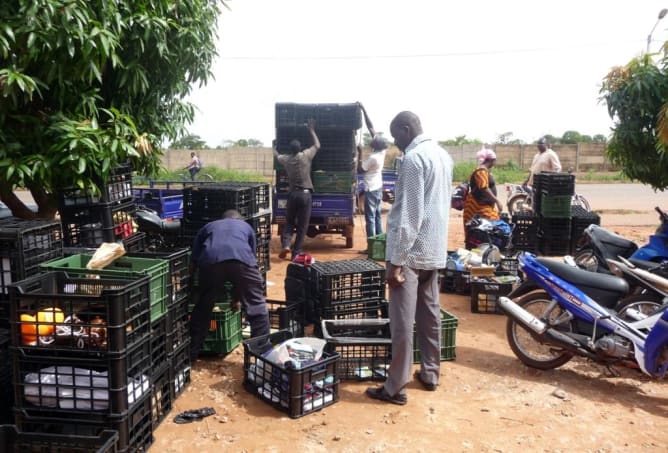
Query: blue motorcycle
(598, 244)
(569, 315)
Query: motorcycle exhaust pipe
(539, 327)
(520, 314)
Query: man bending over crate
(224, 251)
(417, 231)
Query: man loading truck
(297, 165)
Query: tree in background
(507, 138)
(460, 140)
(190, 141)
(637, 100)
(88, 84)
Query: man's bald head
(404, 128)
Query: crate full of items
(294, 375)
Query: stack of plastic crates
(552, 202)
(333, 168)
(90, 218)
(6, 395)
(81, 357)
(295, 390)
(348, 289)
(24, 245)
(580, 220)
(206, 203)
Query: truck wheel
(348, 232)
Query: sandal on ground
(379, 393)
(194, 415)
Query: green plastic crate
(224, 331)
(556, 206)
(448, 337)
(125, 267)
(376, 247)
(332, 182)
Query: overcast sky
(475, 68)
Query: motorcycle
(597, 245)
(570, 316)
(161, 234)
(520, 199)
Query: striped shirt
(417, 226)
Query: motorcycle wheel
(638, 306)
(518, 203)
(587, 260)
(528, 348)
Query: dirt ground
(487, 400)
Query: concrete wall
(581, 157)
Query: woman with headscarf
(481, 199)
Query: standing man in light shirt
(417, 232)
(544, 160)
(372, 168)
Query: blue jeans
(374, 221)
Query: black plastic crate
(24, 245)
(134, 427)
(56, 314)
(297, 285)
(179, 370)
(525, 231)
(286, 315)
(508, 266)
(554, 236)
(338, 116)
(136, 242)
(161, 399)
(6, 394)
(362, 309)
(12, 440)
(93, 385)
(261, 224)
(580, 220)
(455, 281)
(178, 283)
(337, 282)
(554, 183)
(485, 294)
(159, 343)
(364, 347)
(178, 326)
(289, 114)
(118, 186)
(89, 226)
(208, 202)
(260, 194)
(297, 392)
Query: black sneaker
(379, 393)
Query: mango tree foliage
(87, 84)
(636, 96)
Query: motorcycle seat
(614, 244)
(605, 289)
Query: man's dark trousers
(298, 216)
(248, 288)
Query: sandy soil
(487, 400)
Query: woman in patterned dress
(481, 199)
